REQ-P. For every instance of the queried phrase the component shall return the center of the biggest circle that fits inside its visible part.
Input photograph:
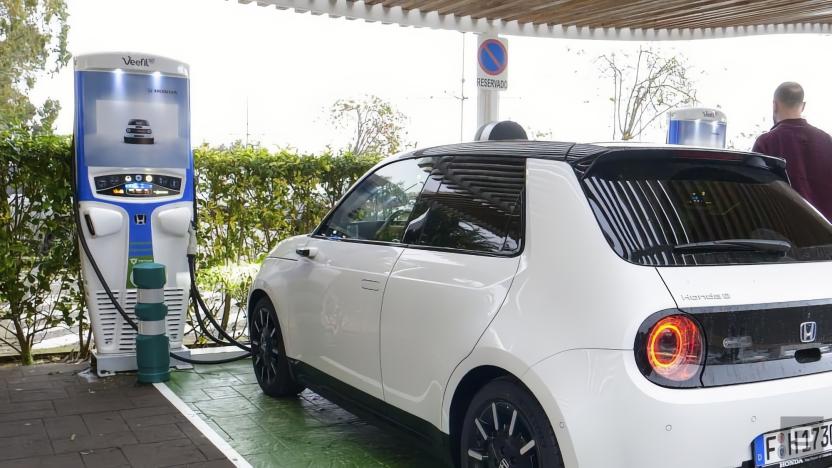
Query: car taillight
(674, 348)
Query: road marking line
(203, 427)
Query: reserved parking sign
(492, 63)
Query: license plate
(794, 446)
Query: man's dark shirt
(808, 154)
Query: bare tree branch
(653, 84)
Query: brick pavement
(57, 415)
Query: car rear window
(471, 204)
(676, 211)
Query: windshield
(692, 212)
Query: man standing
(806, 149)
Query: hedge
(248, 199)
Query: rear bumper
(606, 414)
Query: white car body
(408, 326)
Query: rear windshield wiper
(732, 245)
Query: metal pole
(462, 93)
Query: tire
(271, 365)
(527, 443)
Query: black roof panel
(522, 148)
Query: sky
(281, 71)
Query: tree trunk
(26, 357)
(84, 348)
(226, 310)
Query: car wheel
(271, 366)
(505, 427)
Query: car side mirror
(308, 252)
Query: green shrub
(39, 269)
(248, 200)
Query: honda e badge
(808, 332)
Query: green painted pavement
(307, 431)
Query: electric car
(138, 132)
(543, 304)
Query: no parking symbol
(492, 64)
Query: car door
(464, 244)
(344, 272)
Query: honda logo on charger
(808, 332)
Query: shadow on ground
(308, 431)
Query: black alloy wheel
(505, 427)
(271, 366)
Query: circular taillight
(674, 348)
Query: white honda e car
(542, 304)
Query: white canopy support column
(488, 106)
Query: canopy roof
(598, 19)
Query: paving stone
(158, 420)
(193, 433)
(90, 404)
(148, 400)
(208, 464)
(249, 390)
(23, 427)
(211, 452)
(26, 410)
(305, 432)
(94, 442)
(221, 392)
(24, 446)
(66, 460)
(220, 379)
(168, 453)
(54, 369)
(28, 406)
(95, 422)
(148, 411)
(104, 458)
(226, 407)
(105, 422)
(64, 426)
(21, 395)
(38, 382)
(237, 422)
(46, 413)
(158, 433)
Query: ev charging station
(697, 126)
(134, 187)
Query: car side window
(379, 208)
(471, 203)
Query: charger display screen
(138, 185)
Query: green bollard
(152, 345)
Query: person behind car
(806, 149)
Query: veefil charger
(134, 173)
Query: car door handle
(308, 252)
(370, 285)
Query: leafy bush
(248, 200)
(39, 269)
